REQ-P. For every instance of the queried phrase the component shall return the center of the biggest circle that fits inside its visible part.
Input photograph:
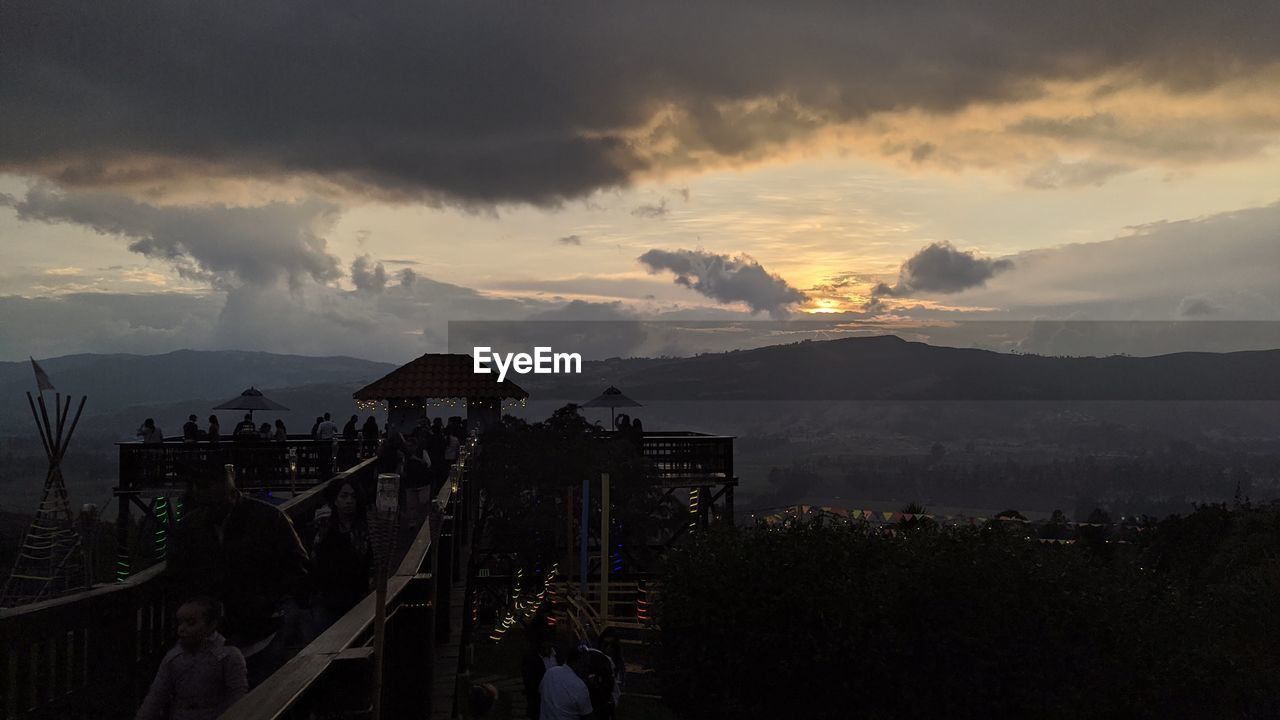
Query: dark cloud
(493, 102)
(369, 276)
(940, 268)
(570, 240)
(211, 243)
(654, 211)
(726, 279)
(407, 278)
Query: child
(201, 676)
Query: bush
(816, 622)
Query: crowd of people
(252, 592)
(324, 429)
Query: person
(539, 657)
(341, 556)
(202, 675)
(315, 429)
(601, 680)
(610, 645)
(435, 444)
(563, 690)
(327, 430)
(451, 448)
(149, 433)
(191, 431)
(215, 430)
(391, 456)
(418, 460)
(351, 431)
(264, 432)
(370, 433)
(245, 429)
(243, 552)
(280, 434)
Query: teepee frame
(50, 562)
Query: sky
(331, 178)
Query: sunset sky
(336, 178)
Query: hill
(893, 369)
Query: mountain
(116, 382)
(893, 369)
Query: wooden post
(604, 547)
(568, 535)
(583, 524)
(386, 505)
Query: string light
(446, 402)
(160, 541)
(693, 508)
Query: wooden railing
(334, 676)
(92, 654)
(260, 464)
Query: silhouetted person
(202, 675)
(245, 429)
(264, 432)
(315, 429)
(149, 432)
(539, 657)
(191, 430)
(369, 437)
(391, 456)
(280, 434)
(351, 431)
(215, 429)
(243, 552)
(342, 556)
(327, 429)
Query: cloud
(1222, 263)
(209, 243)
(407, 278)
(726, 279)
(570, 240)
(1056, 174)
(655, 211)
(510, 102)
(368, 276)
(1190, 307)
(940, 268)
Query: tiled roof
(439, 376)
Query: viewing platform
(300, 461)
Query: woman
(342, 556)
(215, 430)
(264, 432)
(280, 435)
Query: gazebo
(439, 384)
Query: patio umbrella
(251, 399)
(611, 398)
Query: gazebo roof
(439, 375)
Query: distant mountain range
(890, 368)
(116, 382)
